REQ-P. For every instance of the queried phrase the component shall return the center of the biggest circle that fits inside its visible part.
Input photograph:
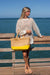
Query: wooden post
(13, 58)
(13, 64)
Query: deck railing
(37, 40)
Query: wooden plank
(34, 60)
(36, 71)
(40, 60)
(45, 38)
(6, 61)
(13, 58)
(48, 42)
(21, 71)
(22, 60)
(6, 35)
(6, 71)
(33, 64)
(40, 48)
(36, 38)
(5, 49)
(5, 39)
(35, 42)
(34, 49)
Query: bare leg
(26, 61)
(28, 56)
(29, 69)
(25, 58)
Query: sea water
(8, 25)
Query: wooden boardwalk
(42, 70)
(39, 66)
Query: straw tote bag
(20, 43)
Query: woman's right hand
(42, 36)
(28, 31)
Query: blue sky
(13, 8)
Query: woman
(26, 26)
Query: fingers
(28, 31)
(42, 36)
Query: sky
(13, 8)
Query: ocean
(8, 25)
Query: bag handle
(17, 33)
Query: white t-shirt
(27, 24)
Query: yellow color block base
(21, 47)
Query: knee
(24, 55)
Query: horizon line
(31, 17)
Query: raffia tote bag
(20, 43)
